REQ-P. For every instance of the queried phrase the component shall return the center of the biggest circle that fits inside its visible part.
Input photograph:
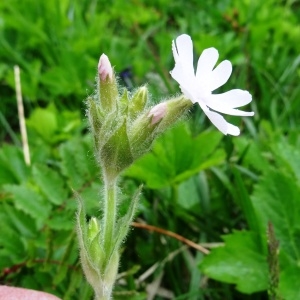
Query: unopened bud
(93, 228)
(158, 112)
(107, 89)
(138, 102)
(104, 68)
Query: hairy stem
(109, 216)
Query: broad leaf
(239, 262)
(176, 156)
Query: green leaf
(176, 156)
(30, 202)
(20, 221)
(239, 262)
(43, 121)
(276, 199)
(13, 251)
(77, 162)
(243, 199)
(62, 220)
(12, 165)
(90, 196)
(188, 194)
(251, 153)
(288, 156)
(50, 183)
(289, 279)
(124, 222)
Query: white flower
(198, 87)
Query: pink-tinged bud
(158, 112)
(104, 68)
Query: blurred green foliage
(208, 188)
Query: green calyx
(124, 127)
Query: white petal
(231, 99)
(222, 124)
(178, 73)
(233, 130)
(234, 112)
(174, 50)
(220, 74)
(183, 52)
(228, 110)
(185, 81)
(206, 63)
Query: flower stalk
(109, 214)
(124, 126)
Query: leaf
(12, 165)
(50, 183)
(21, 222)
(43, 121)
(78, 163)
(188, 194)
(239, 262)
(90, 196)
(250, 153)
(276, 199)
(63, 220)
(177, 156)
(288, 156)
(13, 251)
(124, 222)
(30, 202)
(289, 279)
(244, 201)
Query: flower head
(104, 68)
(199, 87)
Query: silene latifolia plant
(124, 126)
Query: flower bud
(175, 109)
(93, 228)
(107, 85)
(138, 102)
(158, 112)
(104, 68)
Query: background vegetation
(212, 189)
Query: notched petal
(183, 53)
(206, 63)
(220, 74)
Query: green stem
(109, 216)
